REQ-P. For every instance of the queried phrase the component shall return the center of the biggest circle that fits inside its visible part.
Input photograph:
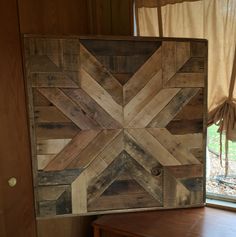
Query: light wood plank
(43, 160)
(99, 73)
(69, 108)
(142, 98)
(99, 94)
(154, 147)
(94, 148)
(159, 101)
(142, 76)
(190, 141)
(174, 146)
(71, 151)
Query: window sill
(230, 206)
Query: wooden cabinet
(117, 124)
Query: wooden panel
(110, 145)
(17, 218)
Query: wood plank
(142, 98)
(69, 108)
(144, 158)
(39, 99)
(101, 75)
(173, 107)
(186, 171)
(151, 109)
(47, 114)
(174, 146)
(142, 76)
(56, 130)
(190, 141)
(92, 150)
(184, 126)
(51, 146)
(104, 99)
(72, 150)
(168, 60)
(43, 160)
(61, 80)
(92, 109)
(182, 54)
(186, 80)
(149, 143)
(194, 65)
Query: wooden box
(117, 124)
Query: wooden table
(196, 222)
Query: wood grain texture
(113, 143)
(16, 218)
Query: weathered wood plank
(180, 80)
(149, 143)
(69, 108)
(92, 109)
(56, 130)
(92, 150)
(103, 98)
(174, 146)
(142, 98)
(142, 76)
(177, 103)
(182, 53)
(194, 65)
(39, 99)
(51, 146)
(47, 114)
(72, 150)
(151, 109)
(52, 80)
(43, 160)
(101, 75)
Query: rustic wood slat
(100, 95)
(47, 114)
(68, 107)
(87, 155)
(142, 76)
(149, 143)
(142, 98)
(151, 109)
(172, 109)
(173, 145)
(182, 53)
(92, 109)
(52, 80)
(71, 151)
(186, 80)
(101, 75)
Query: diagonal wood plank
(174, 146)
(92, 108)
(99, 73)
(52, 80)
(101, 96)
(142, 76)
(94, 148)
(182, 54)
(158, 102)
(71, 151)
(143, 157)
(173, 108)
(142, 98)
(152, 146)
(100, 183)
(69, 108)
(152, 184)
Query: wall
(39, 17)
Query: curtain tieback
(225, 117)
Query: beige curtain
(214, 20)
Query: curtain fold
(214, 20)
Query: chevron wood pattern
(116, 124)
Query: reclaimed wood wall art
(117, 124)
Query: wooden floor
(197, 222)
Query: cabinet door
(117, 123)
